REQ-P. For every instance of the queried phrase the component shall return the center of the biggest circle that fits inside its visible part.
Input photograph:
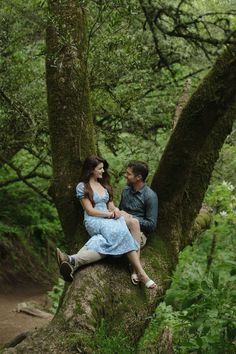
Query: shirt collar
(140, 191)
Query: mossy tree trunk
(103, 290)
(185, 169)
(70, 121)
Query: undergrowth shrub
(200, 308)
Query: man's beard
(130, 184)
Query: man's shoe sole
(58, 257)
(66, 271)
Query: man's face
(130, 177)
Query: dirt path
(12, 323)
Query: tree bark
(104, 291)
(70, 121)
(187, 163)
(182, 101)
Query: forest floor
(12, 322)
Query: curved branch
(25, 180)
(16, 131)
(167, 21)
(28, 176)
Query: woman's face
(98, 171)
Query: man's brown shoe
(61, 257)
(66, 271)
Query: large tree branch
(182, 102)
(188, 160)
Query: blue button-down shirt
(141, 204)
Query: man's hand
(125, 215)
(117, 213)
(111, 214)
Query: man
(138, 200)
(139, 206)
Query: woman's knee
(134, 223)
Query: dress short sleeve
(80, 190)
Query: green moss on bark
(70, 121)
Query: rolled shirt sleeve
(143, 205)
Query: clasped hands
(114, 214)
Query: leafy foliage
(23, 207)
(54, 295)
(140, 56)
(200, 308)
(106, 343)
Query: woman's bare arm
(88, 207)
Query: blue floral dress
(107, 236)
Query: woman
(109, 234)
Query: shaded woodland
(138, 79)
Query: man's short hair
(139, 168)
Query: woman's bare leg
(135, 262)
(133, 226)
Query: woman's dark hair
(90, 163)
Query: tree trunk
(187, 163)
(182, 101)
(104, 291)
(70, 121)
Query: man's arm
(149, 222)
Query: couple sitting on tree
(113, 231)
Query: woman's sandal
(134, 279)
(134, 276)
(150, 284)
